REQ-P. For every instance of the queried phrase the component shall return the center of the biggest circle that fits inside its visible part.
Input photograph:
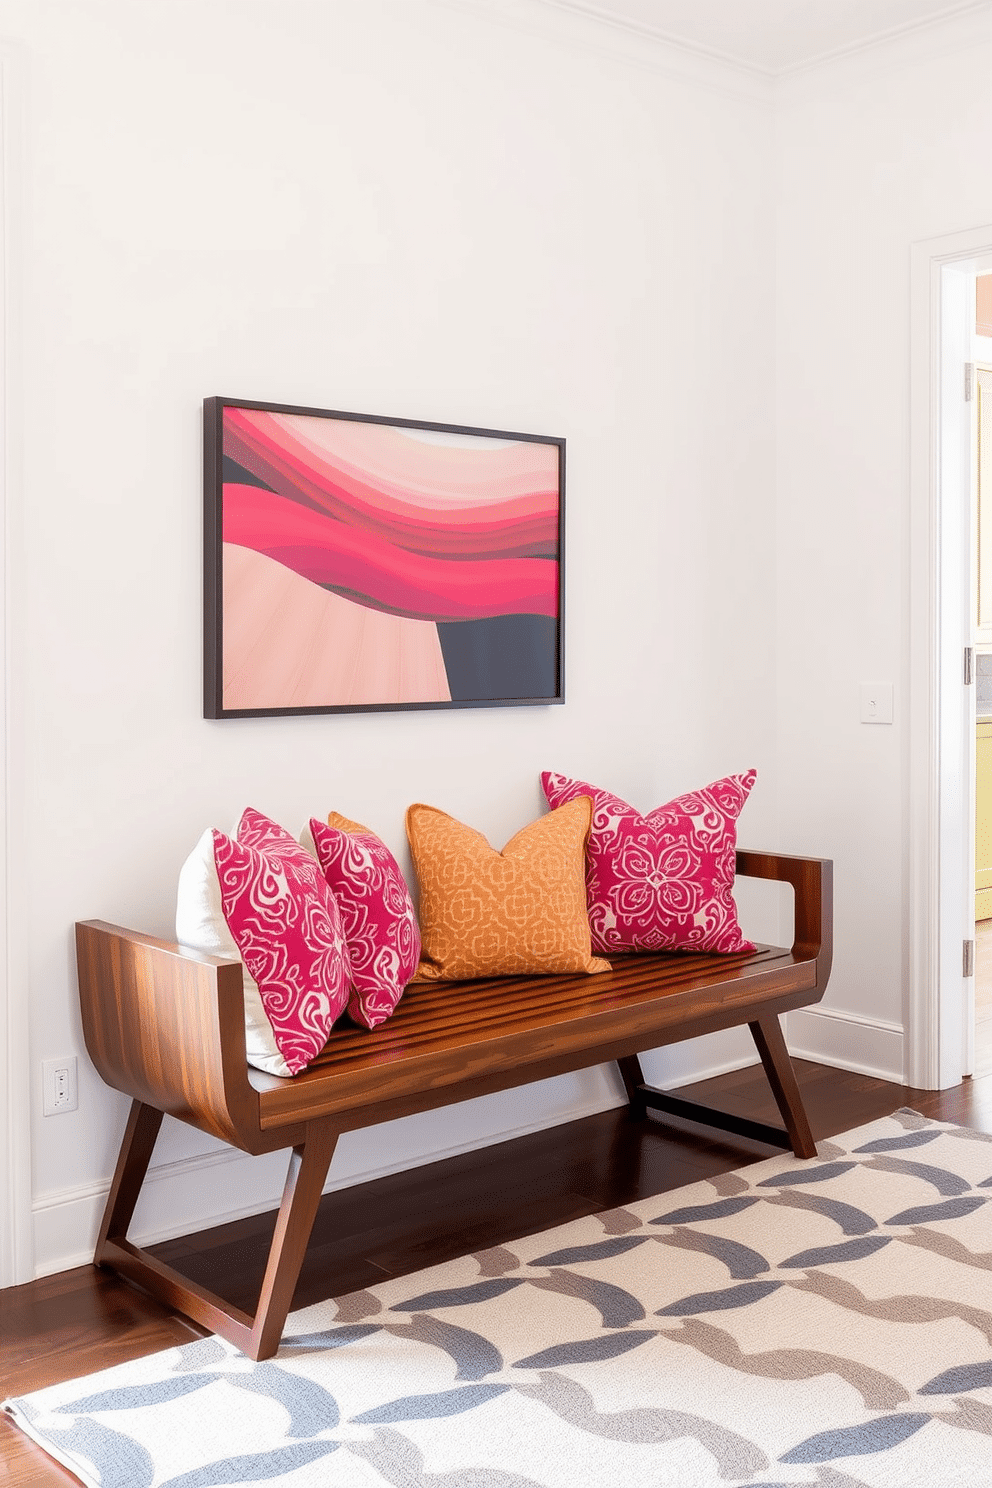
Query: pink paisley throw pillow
(380, 922)
(662, 881)
(259, 898)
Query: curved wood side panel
(166, 1026)
(812, 880)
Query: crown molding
(583, 29)
(585, 26)
(657, 35)
(919, 46)
(916, 37)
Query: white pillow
(257, 897)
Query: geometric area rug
(825, 1322)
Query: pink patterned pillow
(380, 923)
(662, 881)
(259, 898)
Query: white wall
(874, 153)
(416, 209)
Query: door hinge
(968, 959)
(969, 665)
(969, 381)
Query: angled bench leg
(770, 1044)
(633, 1082)
(308, 1167)
(257, 1336)
(132, 1164)
(767, 1035)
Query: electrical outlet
(58, 1079)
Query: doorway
(940, 1016)
(981, 615)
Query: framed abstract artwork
(355, 563)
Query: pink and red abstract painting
(354, 562)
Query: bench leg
(256, 1336)
(633, 1082)
(132, 1164)
(308, 1167)
(767, 1035)
(768, 1039)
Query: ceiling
(771, 36)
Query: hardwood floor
(84, 1320)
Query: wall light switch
(876, 702)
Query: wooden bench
(165, 1025)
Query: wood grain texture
(767, 1035)
(304, 1183)
(143, 1126)
(166, 1026)
(446, 1039)
(812, 881)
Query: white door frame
(941, 733)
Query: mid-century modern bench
(165, 1025)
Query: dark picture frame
(359, 563)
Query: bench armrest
(812, 880)
(166, 1026)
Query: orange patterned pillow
(514, 913)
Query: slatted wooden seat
(165, 1025)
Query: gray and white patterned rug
(823, 1322)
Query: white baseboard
(699, 1059)
(870, 1046)
(196, 1193)
(217, 1188)
(720, 1067)
(67, 1222)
